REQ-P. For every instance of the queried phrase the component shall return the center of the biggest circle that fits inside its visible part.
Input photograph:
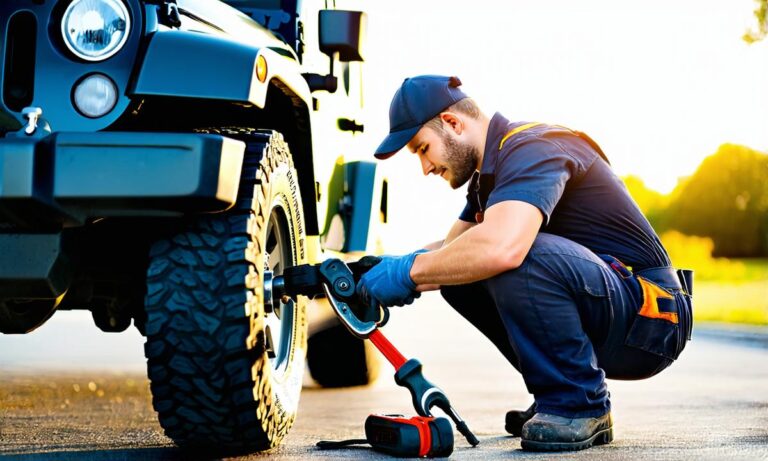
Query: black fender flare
(165, 72)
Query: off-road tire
(213, 383)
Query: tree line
(726, 199)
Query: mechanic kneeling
(539, 260)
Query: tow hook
(32, 114)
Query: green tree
(761, 14)
(653, 204)
(726, 199)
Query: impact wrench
(337, 280)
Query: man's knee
(545, 248)
(451, 293)
(473, 302)
(548, 257)
(460, 296)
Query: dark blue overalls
(573, 314)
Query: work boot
(546, 432)
(516, 418)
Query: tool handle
(387, 349)
(426, 395)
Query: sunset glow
(660, 85)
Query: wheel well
(284, 112)
(292, 120)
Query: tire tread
(205, 363)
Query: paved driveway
(711, 404)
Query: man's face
(443, 155)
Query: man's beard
(461, 160)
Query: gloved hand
(389, 282)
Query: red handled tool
(336, 280)
(424, 394)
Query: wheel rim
(278, 322)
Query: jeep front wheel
(225, 373)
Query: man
(539, 260)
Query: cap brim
(394, 142)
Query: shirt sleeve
(534, 172)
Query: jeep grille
(19, 81)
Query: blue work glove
(389, 283)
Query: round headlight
(95, 29)
(95, 95)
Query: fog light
(95, 95)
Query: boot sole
(601, 437)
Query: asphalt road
(68, 391)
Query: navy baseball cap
(417, 101)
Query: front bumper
(68, 178)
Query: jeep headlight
(95, 29)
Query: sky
(658, 84)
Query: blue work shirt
(577, 192)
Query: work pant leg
(473, 303)
(562, 320)
(556, 308)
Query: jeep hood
(233, 23)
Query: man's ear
(453, 121)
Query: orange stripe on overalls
(651, 295)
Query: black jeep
(160, 162)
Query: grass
(738, 296)
(725, 289)
(755, 269)
(734, 296)
(732, 302)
